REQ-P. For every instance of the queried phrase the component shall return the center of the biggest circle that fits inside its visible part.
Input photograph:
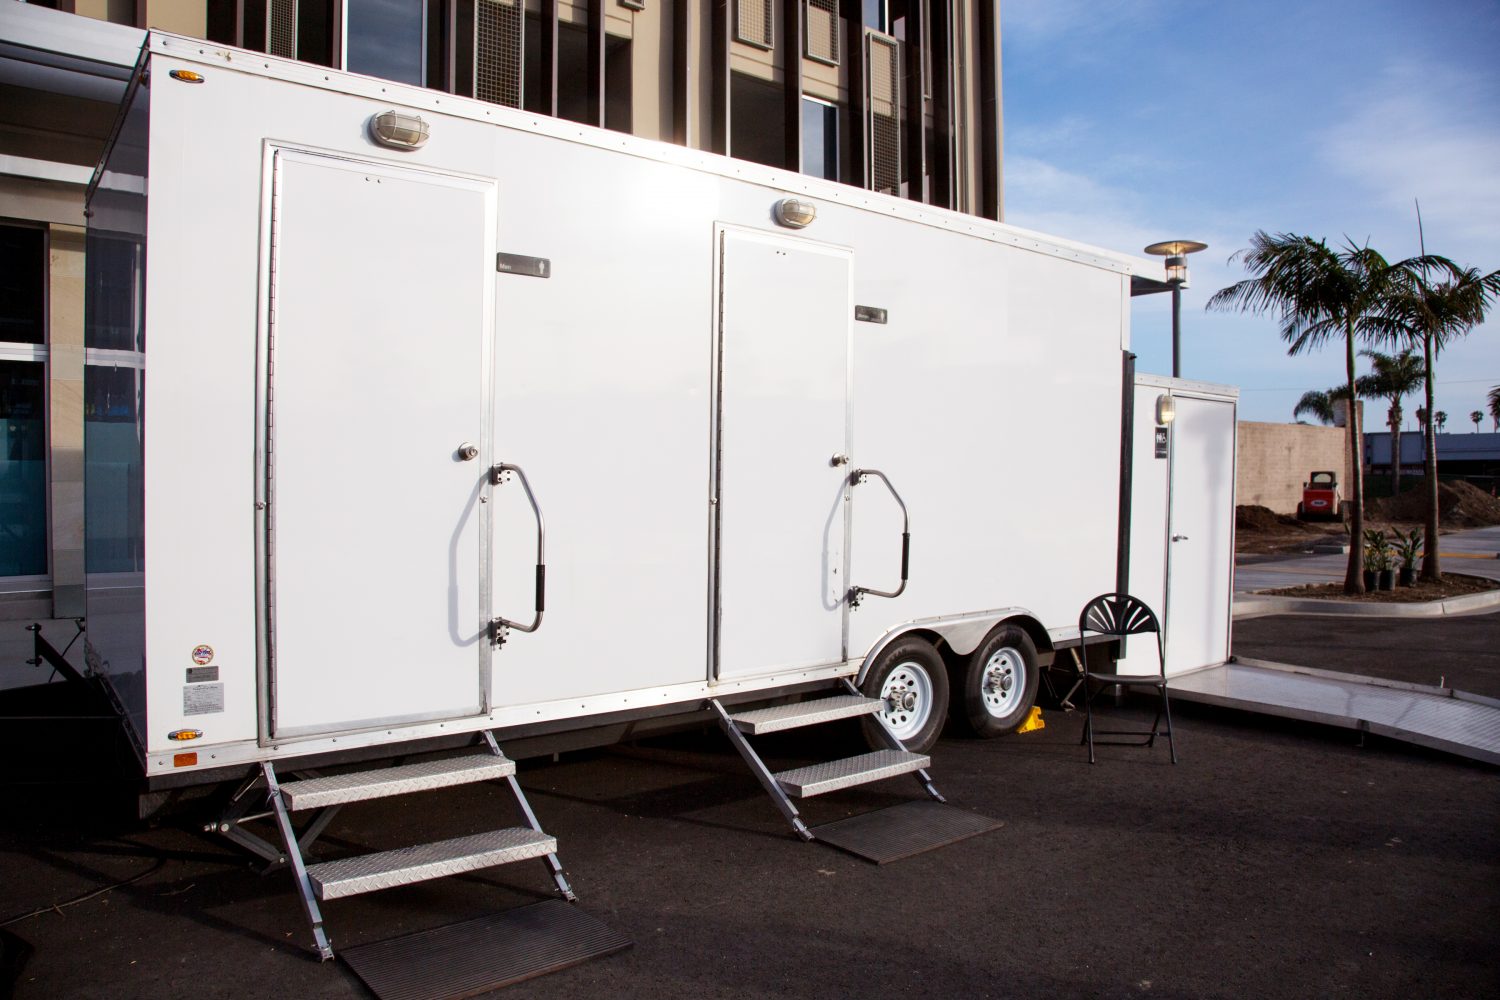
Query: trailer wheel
(912, 684)
(996, 684)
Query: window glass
(820, 139)
(385, 39)
(22, 283)
(23, 469)
(112, 479)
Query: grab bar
(855, 593)
(498, 626)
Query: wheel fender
(960, 633)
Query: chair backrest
(1117, 614)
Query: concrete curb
(1256, 605)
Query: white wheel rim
(1003, 682)
(906, 698)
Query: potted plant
(1408, 547)
(1378, 572)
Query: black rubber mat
(462, 960)
(897, 832)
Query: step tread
(804, 713)
(335, 789)
(404, 865)
(818, 779)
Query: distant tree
(1320, 295)
(1431, 301)
(1394, 376)
(1318, 403)
(1495, 406)
(1476, 416)
(1442, 420)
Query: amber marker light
(184, 760)
(182, 735)
(186, 76)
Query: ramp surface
(464, 960)
(1453, 721)
(897, 832)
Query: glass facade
(23, 402)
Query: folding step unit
(882, 835)
(336, 879)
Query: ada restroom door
(1200, 540)
(374, 367)
(785, 309)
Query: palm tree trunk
(1354, 577)
(1395, 450)
(1431, 571)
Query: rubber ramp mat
(887, 835)
(462, 960)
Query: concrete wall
(1275, 459)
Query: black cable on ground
(58, 907)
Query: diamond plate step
(819, 779)
(388, 869)
(315, 793)
(804, 713)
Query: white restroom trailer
(359, 396)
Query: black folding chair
(1122, 615)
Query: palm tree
(1495, 406)
(1319, 294)
(1442, 420)
(1318, 403)
(1431, 301)
(1476, 416)
(1393, 377)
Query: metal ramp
(882, 835)
(1456, 722)
(498, 949)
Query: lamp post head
(1175, 252)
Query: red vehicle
(1320, 498)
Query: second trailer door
(782, 434)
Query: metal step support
(818, 779)
(385, 869)
(895, 744)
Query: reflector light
(399, 130)
(186, 76)
(181, 735)
(184, 760)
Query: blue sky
(1132, 121)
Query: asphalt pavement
(1278, 859)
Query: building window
(386, 38)
(23, 402)
(756, 121)
(820, 139)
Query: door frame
(265, 556)
(721, 232)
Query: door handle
(499, 626)
(855, 593)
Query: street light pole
(1175, 252)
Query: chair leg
(1088, 722)
(1166, 707)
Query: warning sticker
(202, 699)
(198, 675)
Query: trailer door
(785, 311)
(378, 301)
(1200, 546)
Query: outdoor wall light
(399, 130)
(1166, 409)
(1176, 252)
(795, 214)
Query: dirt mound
(1253, 517)
(1460, 505)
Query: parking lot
(1276, 860)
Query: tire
(1301, 515)
(910, 670)
(995, 687)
